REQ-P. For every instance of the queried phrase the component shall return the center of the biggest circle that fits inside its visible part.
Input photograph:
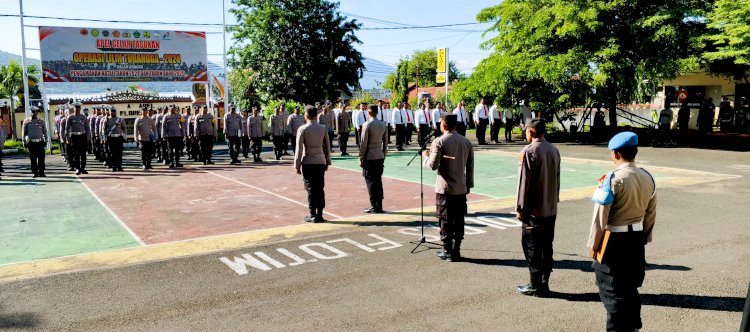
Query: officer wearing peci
(372, 152)
(623, 223)
(78, 135)
(453, 158)
(233, 132)
(34, 133)
(311, 159)
(115, 135)
(245, 139)
(172, 130)
(205, 129)
(536, 205)
(145, 136)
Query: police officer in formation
(161, 143)
(233, 132)
(481, 119)
(311, 159)
(293, 122)
(205, 129)
(173, 131)
(398, 123)
(115, 136)
(77, 134)
(255, 125)
(372, 151)
(145, 136)
(359, 118)
(193, 148)
(245, 139)
(327, 119)
(278, 132)
(34, 133)
(343, 127)
(623, 223)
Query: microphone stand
(423, 147)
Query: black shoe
(444, 255)
(532, 290)
(454, 257)
(286, 153)
(319, 219)
(209, 162)
(42, 175)
(344, 154)
(204, 163)
(232, 162)
(78, 172)
(309, 218)
(71, 169)
(145, 167)
(160, 161)
(114, 169)
(83, 171)
(177, 165)
(34, 176)
(171, 166)
(149, 166)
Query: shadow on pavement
(19, 320)
(564, 264)
(700, 302)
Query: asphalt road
(365, 278)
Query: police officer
(624, 217)
(481, 120)
(34, 133)
(359, 119)
(536, 205)
(278, 132)
(293, 122)
(66, 143)
(372, 151)
(78, 135)
(173, 131)
(191, 140)
(145, 136)
(162, 145)
(328, 120)
(460, 112)
(233, 132)
(311, 159)
(115, 136)
(343, 126)
(508, 119)
(245, 139)
(285, 115)
(398, 122)
(205, 128)
(106, 154)
(452, 156)
(255, 124)
(424, 121)
(496, 121)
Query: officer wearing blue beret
(624, 217)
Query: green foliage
(296, 49)
(362, 96)
(406, 73)
(269, 107)
(133, 87)
(727, 41)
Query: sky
(387, 46)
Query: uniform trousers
(508, 130)
(409, 132)
(207, 147)
(36, 154)
(423, 133)
(147, 152)
(257, 146)
(157, 149)
(115, 149)
(536, 240)
(175, 147)
(618, 277)
(79, 151)
(372, 171)
(343, 141)
(451, 210)
(357, 135)
(461, 128)
(482, 130)
(287, 137)
(196, 149)
(313, 176)
(234, 147)
(245, 145)
(400, 136)
(69, 154)
(495, 129)
(278, 145)
(330, 137)
(165, 149)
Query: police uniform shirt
(343, 122)
(35, 130)
(64, 127)
(453, 158)
(233, 125)
(144, 128)
(189, 125)
(312, 146)
(92, 120)
(159, 117)
(635, 201)
(255, 124)
(278, 125)
(172, 126)
(295, 121)
(374, 143)
(539, 179)
(204, 125)
(327, 120)
(115, 127)
(460, 115)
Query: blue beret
(623, 139)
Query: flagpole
(224, 40)
(23, 65)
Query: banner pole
(447, 76)
(23, 65)
(224, 40)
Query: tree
(406, 73)
(611, 46)
(728, 40)
(297, 49)
(11, 84)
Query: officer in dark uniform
(115, 135)
(233, 132)
(536, 207)
(78, 136)
(205, 128)
(173, 132)
(34, 133)
(624, 217)
(145, 135)
(255, 125)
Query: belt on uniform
(115, 135)
(626, 228)
(36, 140)
(78, 133)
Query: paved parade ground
(224, 247)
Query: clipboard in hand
(599, 254)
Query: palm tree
(11, 82)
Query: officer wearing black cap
(34, 133)
(233, 131)
(115, 136)
(624, 217)
(78, 136)
(536, 205)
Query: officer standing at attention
(409, 123)
(508, 119)
(189, 134)
(293, 122)
(462, 120)
(372, 151)
(359, 118)
(424, 120)
(452, 156)
(205, 128)
(232, 132)
(34, 133)
(115, 135)
(311, 159)
(343, 126)
(145, 135)
(278, 131)
(481, 119)
(398, 123)
(172, 131)
(536, 205)
(624, 218)
(78, 135)
(245, 139)
(496, 121)
(255, 124)
(162, 142)
(285, 114)
(329, 121)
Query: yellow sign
(440, 78)
(442, 60)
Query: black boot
(445, 254)
(456, 252)
(534, 287)
(319, 216)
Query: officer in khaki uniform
(293, 122)
(173, 132)
(233, 132)
(34, 133)
(255, 124)
(536, 205)
(311, 159)
(626, 223)
(205, 129)
(145, 136)
(78, 135)
(453, 158)
(372, 151)
(343, 127)
(278, 132)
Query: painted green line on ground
(494, 175)
(53, 217)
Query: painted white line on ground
(111, 212)
(266, 191)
